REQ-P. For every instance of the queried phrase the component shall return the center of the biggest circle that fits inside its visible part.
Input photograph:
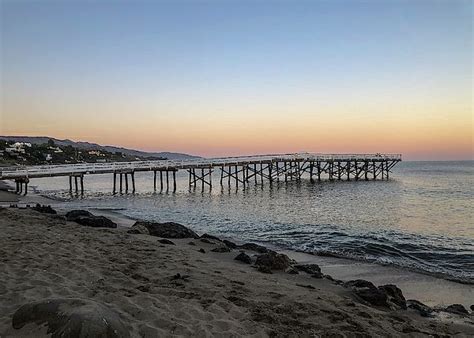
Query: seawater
(421, 219)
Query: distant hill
(94, 146)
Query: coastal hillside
(42, 150)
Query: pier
(241, 171)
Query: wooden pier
(239, 171)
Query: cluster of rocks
(86, 218)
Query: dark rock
(254, 247)
(230, 244)
(472, 307)
(207, 241)
(292, 271)
(264, 269)
(192, 243)
(368, 292)
(221, 249)
(133, 232)
(95, 221)
(202, 250)
(423, 310)
(457, 309)
(395, 295)
(74, 214)
(308, 268)
(45, 209)
(72, 318)
(166, 241)
(211, 237)
(165, 230)
(243, 257)
(317, 275)
(273, 260)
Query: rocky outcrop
(96, 222)
(166, 241)
(313, 269)
(72, 318)
(164, 230)
(75, 214)
(230, 245)
(457, 309)
(422, 309)
(254, 247)
(368, 292)
(244, 258)
(44, 209)
(385, 295)
(395, 296)
(273, 261)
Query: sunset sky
(217, 78)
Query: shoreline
(155, 288)
(428, 288)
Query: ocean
(421, 219)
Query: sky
(225, 78)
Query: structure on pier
(239, 171)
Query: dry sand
(44, 257)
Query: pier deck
(241, 170)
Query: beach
(159, 289)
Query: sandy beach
(157, 289)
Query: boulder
(244, 258)
(71, 317)
(230, 244)
(472, 307)
(395, 295)
(368, 292)
(95, 221)
(74, 214)
(164, 230)
(254, 247)
(457, 309)
(422, 309)
(308, 268)
(221, 249)
(44, 209)
(273, 261)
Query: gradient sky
(242, 77)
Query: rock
(207, 241)
(254, 247)
(72, 318)
(202, 250)
(192, 243)
(292, 271)
(273, 260)
(395, 295)
(308, 268)
(166, 241)
(423, 310)
(74, 214)
(221, 249)
(264, 269)
(457, 309)
(368, 292)
(139, 229)
(230, 244)
(95, 221)
(317, 275)
(472, 307)
(45, 209)
(211, 237)
(165, 230)
(244, 258)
